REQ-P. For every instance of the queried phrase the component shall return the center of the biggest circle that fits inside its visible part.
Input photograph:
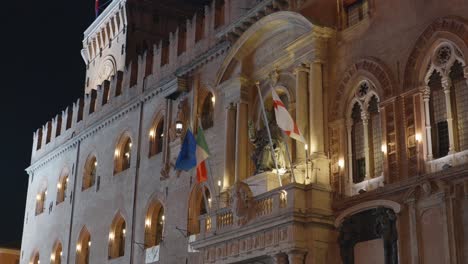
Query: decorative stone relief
(242, 203)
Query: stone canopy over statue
(262, 155)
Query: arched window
(207, 115)
(446, 102)
(199, 204)
(35, 258)
(83, 247)
(40, 201)
(365, 136)
(117, 235)
(154, 224)
(156, 136)
(62, 186)
(56, 256)
(123, 155)
(89, 174)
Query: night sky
(42, 73)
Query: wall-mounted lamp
(384, 148)
(78, 247)
(111, 236)
(418, 137)
(148, 222)
(151, 133)
(341, 163)
(59, 186)
(179, 127)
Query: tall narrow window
(56, 256)
(200, 26)
(156, 136)
(207, 116)
(154, 225)
(62, 186)
(219, 13)
(440, 134)
(90, 171)
(117, 235)
(83, 247)
(359, 158)
(199, 204)
(40, 201)
(123, 155)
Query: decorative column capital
(446, 82)
(302, 67)
(425, 91)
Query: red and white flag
(284, 119)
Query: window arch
(365, 135)
(123, 154)
(56, 256)
(199, 204)
(156, 137)
(40, 201)
(35, 258)
(445, 101)
(117, 235)
(154, 224)
(62, 186)
(83, 247)
(207, 115)
(90, 172)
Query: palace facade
(378, 88)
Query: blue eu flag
(187, 159)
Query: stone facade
(377, 88)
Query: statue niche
(262, 155)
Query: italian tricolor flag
(202, 153)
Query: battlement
(189, 47)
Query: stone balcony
(265, 226)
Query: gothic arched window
(90, 171)
(83, 247)
(35, 258)
(207, 116)
(199, 204)
(117, 235)
(40, 201)
(56, 256)
(154, 224)
(123, 155)
(156, 137)
(62, 186)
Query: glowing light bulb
(306, 147)
(124, 231)
(61, 253)
(52, 257)
(384, 148)
(148, 222)
(38, 197)
(111, 236)
(213, 99)
(78, 247)
(219, 183)
(130, 144)
(151, 133)
(163, 217)
(67, 179)
(95, 164)
(341, 163)
(59, 186)
(116, 153)
(418, 137)
(89, 243)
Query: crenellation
(58, 125)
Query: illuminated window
(62, 186)
(83, 247)
(156, 136)
(200, 203)
(40, 201)
(56, 256)
(207, 115)
(117, 236)
(90, 171)
(35, 258)
(123, 155)
(154, 225)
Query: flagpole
(265, 120)
(293, 177)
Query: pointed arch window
(117, 237)
(40, 201)
(56, 256)
(207, 116)
(90, 172)
(154, 225)
(62, 187)
(445, 98)
(83, 247)
(200, 203)
(365, 149)
(156, 138)
(123, 155)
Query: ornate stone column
(349, 130)
(242, 141)
(230, 147)
(321, 171)
(446, 84)
(302, 117)
(280, 258)
(426, 94)
(367, 141)
(296, 257)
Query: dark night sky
(42, 72)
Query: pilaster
(302, 102)
(426, 93)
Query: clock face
(106, 70)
